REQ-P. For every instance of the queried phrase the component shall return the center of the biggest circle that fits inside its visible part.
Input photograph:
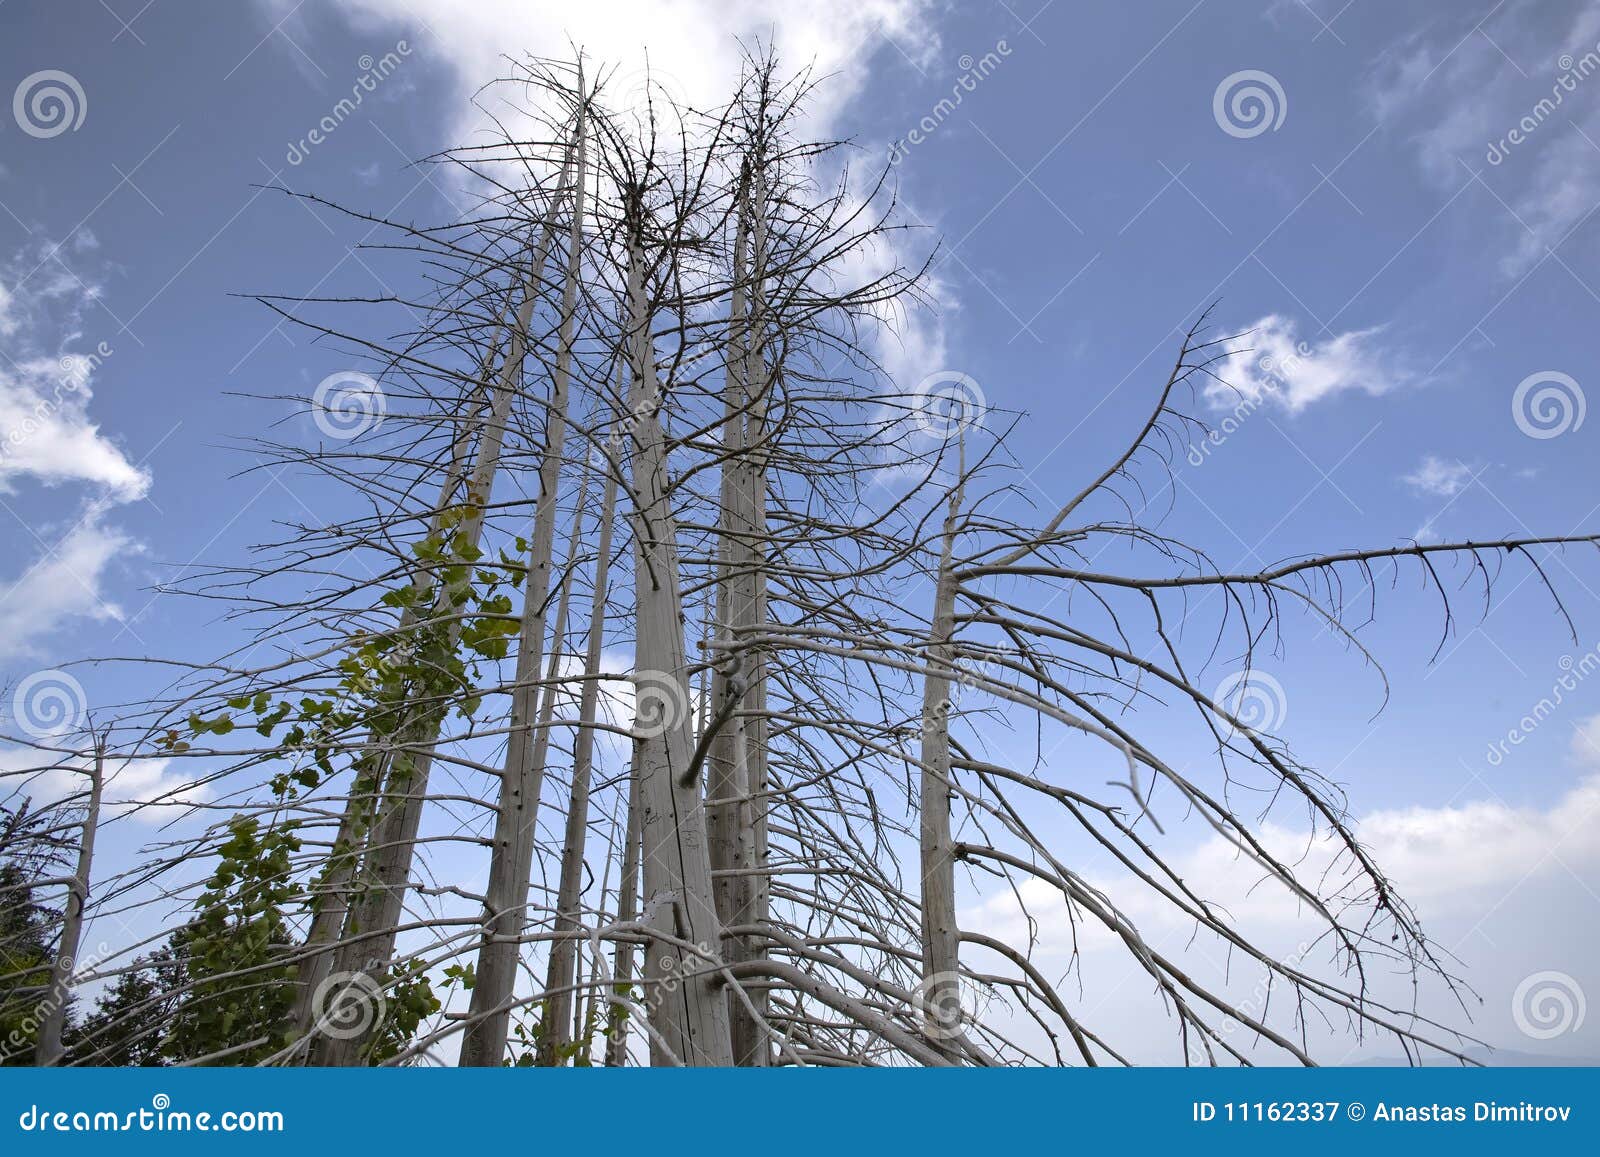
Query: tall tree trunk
(758, 378)
(527, 748)
(627, 911)
(940, 988)
(331, 902)
(367, 941)
(49, 1050)
(688, 1004)
(564, 950)
(733, 774)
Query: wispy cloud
(1273, 363)
(48, 439)
(1439, 477)
(1515, 100)
(147, 790)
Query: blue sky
(1090, 203)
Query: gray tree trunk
(564, 951)
(367, 941)
(49, 1050)
(688, 1004)
(527, 748)
(734, 766)
(627, 912)
(331, 902)
(941, 937)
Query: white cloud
(1439, 477)
(1468, 856)
(48, 435)
(1504, 891)
(693, 45)
(1455, 858)
(1563, 191)
(1524, 129)
(694, 49)
(47, 438)
(1272, 363)
(66, 581)
(148, 790)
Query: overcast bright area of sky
(1397, 197)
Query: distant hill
(1495, 1058)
